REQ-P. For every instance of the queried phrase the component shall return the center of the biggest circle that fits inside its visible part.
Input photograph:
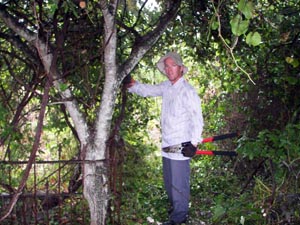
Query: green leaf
(294, 62)
(238, 25)
(246, 7)
(253, 38)
(291, 80)
(214, 23)
(63, 86)
(219, 211)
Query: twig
(32, 157)
(230, 48)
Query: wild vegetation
(243, 58)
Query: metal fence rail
(53, 193)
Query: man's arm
(145, 90)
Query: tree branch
(45, 54)
(35, 148)
(144, 43)
(15, 26)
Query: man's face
(173, 71)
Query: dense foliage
(243, 58)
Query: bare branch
(144, 43)
(35, 148)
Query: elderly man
(181, 125)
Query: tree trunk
(96, 188)
(96, 182)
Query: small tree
(41, 30)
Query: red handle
(212, 153)
(220, 137)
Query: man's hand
(189, 150)
(128, 81)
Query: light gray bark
(96, 188)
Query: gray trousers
(176, 175)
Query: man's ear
(181, 69)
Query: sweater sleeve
(147, 90)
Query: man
(182, 124)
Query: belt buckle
(173, 149)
